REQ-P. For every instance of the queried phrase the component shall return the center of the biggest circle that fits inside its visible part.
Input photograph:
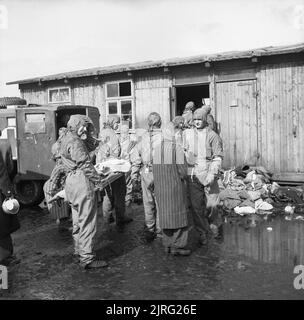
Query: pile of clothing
(248, 189)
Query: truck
(31, 131)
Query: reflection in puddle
(271, 240)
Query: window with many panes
(119, 99)
(59, 95)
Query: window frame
(60, 88)
(119, 100)
(118, 97)
(26, 130)
(11, 118)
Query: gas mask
(198, 123)
(82, 132)
(115, 126)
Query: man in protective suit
(188, 114)
(204, 153)
(114, 198)
(179, 123)
(127, 146)
(141, 160)
(109, 146)
(81, 183)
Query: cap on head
(201, 113)
(124, 129)
(154, 120)
(190, 106)
(178, 121)
(112, 120)
(78, 120)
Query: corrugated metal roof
(266, 51)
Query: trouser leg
(198, 207)
(119, 195)
(175, 238)
(180, 238)
(75, 232)
(80, 193)
(149, 201)
(87, 221)
(108, 204)
(167, 237)
(213, 211)
(129, 189)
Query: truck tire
(10, 101)
(29, 192)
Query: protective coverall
(81, 183)
(115, 193)
(204, 153)
(127, 146)
(178, 123)
(141, 160)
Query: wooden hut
(257, 98)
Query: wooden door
(236, 114)
(152, 100)
(282, 120)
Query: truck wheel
(29, 192)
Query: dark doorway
(193, 93)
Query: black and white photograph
(151, 151)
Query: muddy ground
(254, 260)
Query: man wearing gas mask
(115, 193)
(142, 164)
(204, 154)
(81, 184)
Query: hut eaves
(265, 51)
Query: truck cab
(36, 131)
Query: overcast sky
(44, 37)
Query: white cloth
(115, 165)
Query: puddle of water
(266, 239)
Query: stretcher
(59, 198)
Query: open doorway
(188, 93)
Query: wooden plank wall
(34, 94)
(90, 94)
(282, 118)
(152, 94)
(237, 124)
